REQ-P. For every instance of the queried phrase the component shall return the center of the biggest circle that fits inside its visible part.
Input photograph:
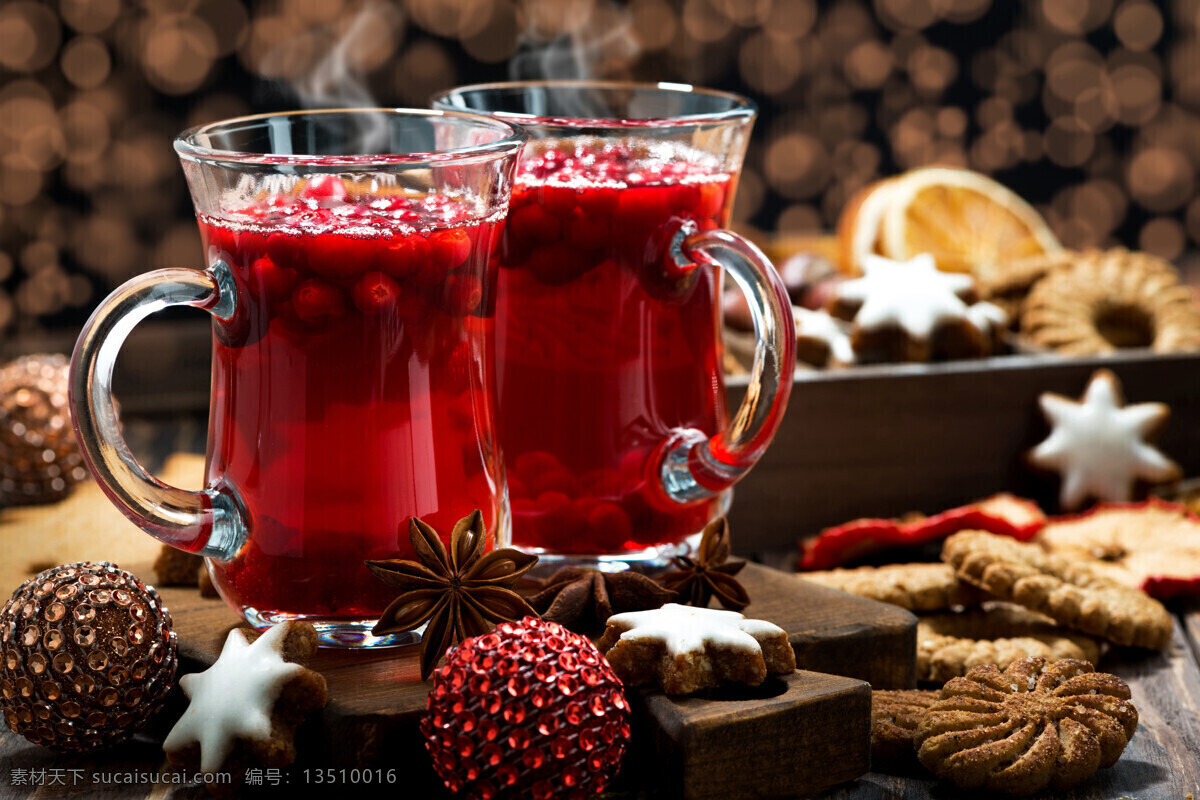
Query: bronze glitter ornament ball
(88, 656)
(39, 458)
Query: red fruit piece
(557, 264)
(558, 200)
(271, 280)
(403, 256)
(287, 250)
(326, 190)
(1000, 514)
(340, 257)
(711, 201)
(609, 527)
(599, 202)
(375, 293)
(531, 223)
(643, 207)
(318, 302)
(588, 231)
(450, 247)
(462, 294)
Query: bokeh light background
(1089, 108)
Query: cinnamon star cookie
(686, 649)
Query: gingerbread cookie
(686, 649)
(917, 587)
(1067, 591)
(895, 715)
(244, 709)
(1035, 725)
(1154, 546)
(950, 644)
(175, 567)
(1100, 446)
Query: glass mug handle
(694, 466)
(209, 523)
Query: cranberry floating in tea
(618, 445)
(352, 293)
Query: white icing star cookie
(1099, 445)
(826, 332)
(685, 649)
(236, 697)
(912, 294)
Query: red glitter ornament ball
(528, 710)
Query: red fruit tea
(603, 346)
(342, 390)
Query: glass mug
(618, 444)
(353, 310)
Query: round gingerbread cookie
(1112, 299)
(1068, 592)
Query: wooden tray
(881, 441)
(376, 699)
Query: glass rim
(513, 139)
(742, 107)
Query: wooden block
(836, 632)
(793, 736)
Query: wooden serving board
(377, 698)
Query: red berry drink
(362, 341)
(603, 346)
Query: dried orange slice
(859, 225)
(967, 221)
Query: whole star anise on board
(708, 573)
(583, 599)
(460, 593)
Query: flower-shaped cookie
(686, 649)
(1099, 444)
(1037, 724)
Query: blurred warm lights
(1091, 108)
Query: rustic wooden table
(1162, 761)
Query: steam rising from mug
(333, 81)
(601, 37)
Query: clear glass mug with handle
(618, 444)
(352, 296)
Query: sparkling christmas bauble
(528, 710)
(39, 458)
(88, 656)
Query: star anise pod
(583, 599)
(462, 593)
(708, 573)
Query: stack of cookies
(1010, 632)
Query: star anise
(709, 572)
(460, 594)
(583, 599)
